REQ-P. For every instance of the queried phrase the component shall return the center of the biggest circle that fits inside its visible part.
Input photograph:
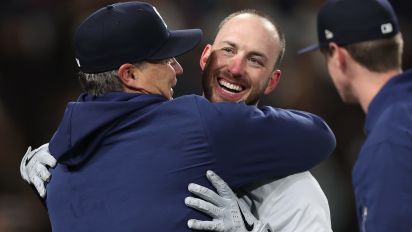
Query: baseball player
(363, 46)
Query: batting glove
(33, 167)
(228, 213)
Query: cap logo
(78, 62)
(386, 28)
(157, 12)
(328, 34)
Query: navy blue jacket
(125, 160)
(382, 176)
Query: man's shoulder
(294, 185)
(206, 106)
(290, 187)
(393, 125)
(186, 102)
(305, 182)
(399, 112)
(201, 102)
(188, 99)
(295, 198)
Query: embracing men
(126, 151)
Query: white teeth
(230, 86)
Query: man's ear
(338, 57)
(205, 56)
(126, 75)
(273, 81)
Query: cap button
(109, 7)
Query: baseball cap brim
(178, 43)
(309, 49)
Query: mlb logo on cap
(386, 28)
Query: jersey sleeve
(251, 143)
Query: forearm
(250, 143)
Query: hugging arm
(251, 143)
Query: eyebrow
(253, 53)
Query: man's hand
(33, 167)
(228, 213)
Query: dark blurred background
(38, 78)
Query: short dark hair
(271, 20)
(100, 83)
(379, 55)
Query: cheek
(165, 78)
(210, 70)
(340, 83)
(333, 74)
(170, 72)
(219, 60)
(334, 78)
(258, 80)
(330, 72)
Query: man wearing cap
(363, 46)
(126, 152)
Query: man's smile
(230, 86)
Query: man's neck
(367, 84)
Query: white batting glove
(33, 167)
(228, 213)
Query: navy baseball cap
(350, 21)
(128, 32)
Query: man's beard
(207, 79)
